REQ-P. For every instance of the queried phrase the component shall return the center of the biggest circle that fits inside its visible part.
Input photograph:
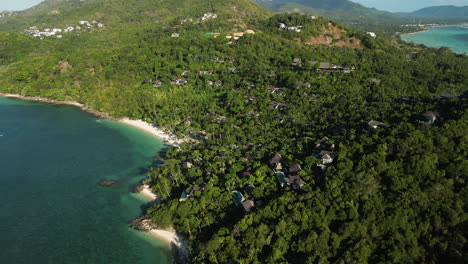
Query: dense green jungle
(312, 143)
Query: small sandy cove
(153, 130)
(169, 236)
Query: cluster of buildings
(421, 25)
(58, 32)
(7, 14)
(283, 26)
(236, 35)
(286, 176)
(208, 16)
(324, 150)
(329, 67)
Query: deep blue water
(454, 37)
(52, 209)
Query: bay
(453, 37)
(52, 209)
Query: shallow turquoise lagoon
(52, 209)
(454, 37)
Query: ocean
(454, 37)
(52, 208)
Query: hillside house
(248, 205)
(209, 16)
(157, 83)
(206, 72)
(277, 105)
(372, 34)
(296, 62)
(430, 117)
(192, 194)
(374, 81)
(179, 81)
(375, 124)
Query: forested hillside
(353, 151)
(358, 16)
(443, 11)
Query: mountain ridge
(443, 11)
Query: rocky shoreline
(57, 102)
(179, 246)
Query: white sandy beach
(168, 236)
(153, 130)
(177, 243)
(146, 192)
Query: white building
(372, 34)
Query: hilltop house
(283, 26)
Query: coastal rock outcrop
(142, 224)
(106, 183)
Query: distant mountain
(358, 16)
(346, 12)
(443, 11)
(328, 5)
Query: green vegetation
(357, 16)
(394, 194)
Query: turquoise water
(52, 209)
(454, 37)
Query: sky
(407, 5)
(15, 5)
(386, 5)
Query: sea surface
(453, 37)
(52, 209)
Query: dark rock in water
(142, 224)
(138, 188)
(107, 183)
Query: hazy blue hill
(443, 11)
